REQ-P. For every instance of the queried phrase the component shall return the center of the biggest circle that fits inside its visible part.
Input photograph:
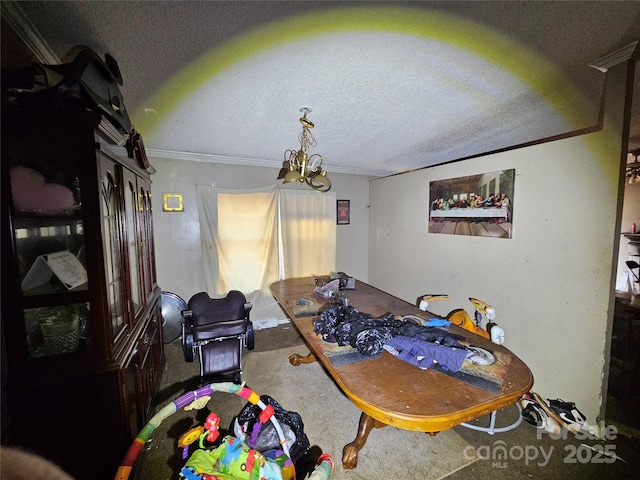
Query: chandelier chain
(306, 138)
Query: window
(254, 237)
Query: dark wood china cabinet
(81, 314)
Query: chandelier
(298, 166)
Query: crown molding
(15, 17)
(249, 162)
(614, 58)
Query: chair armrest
(247, 308)
(249, 338)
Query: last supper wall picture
(476, 205)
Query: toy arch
(198, 398)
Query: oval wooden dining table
(390, 391)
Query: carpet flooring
(331, 422)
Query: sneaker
(564, 415)
(569, 414)
(534, 414)
(530, 410)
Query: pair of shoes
(533, 413)
(570, 415)
(564, 413)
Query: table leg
(296, 359)
(350, 451)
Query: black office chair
(217, 329)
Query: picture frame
(343, 212)
(480, 205)
(172, 202)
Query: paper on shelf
(64, 265)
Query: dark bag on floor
(263, 437)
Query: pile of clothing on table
(422, 345)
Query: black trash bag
(371, 341)
(329, 319)
(263, 437)
(347, 331)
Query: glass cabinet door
(109, 208)
(132, 207)
(50, 246)
(49, 241)
(150, 244)
(148, 264)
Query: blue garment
(424, 354)
(437, 322)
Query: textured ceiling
(393, 86)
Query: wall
(551, 284)
(177, 235)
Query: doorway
(623, 393)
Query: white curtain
(253, 237)
(238, 232)
(308, 230)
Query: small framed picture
(172, 202)
(344, 212)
